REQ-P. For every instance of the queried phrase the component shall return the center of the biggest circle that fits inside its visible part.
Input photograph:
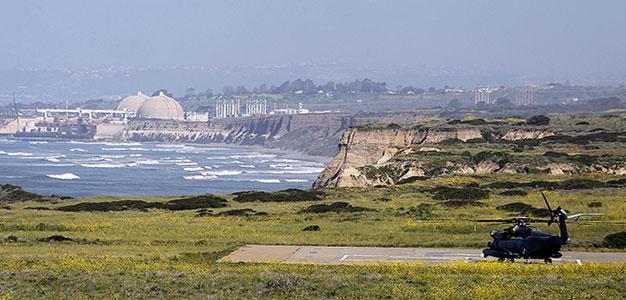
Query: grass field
(166, 254)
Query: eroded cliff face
(361, 147)
(369, 156)
(312, 134)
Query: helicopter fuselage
(523, 242)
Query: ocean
(85, 169)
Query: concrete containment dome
(132, 103)
(161, 107)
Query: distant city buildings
(227, 108)
(231, 108)
(481, 94)
(256, 107)
(524, 96)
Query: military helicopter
(523, 241)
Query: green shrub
(121, 205)
(461, 203)
(555, 154)
(412, 179)
(288, 195)
(195, 202)
(203, 201)
(533, 184)
(538, 120)
(338, 207)
(423, 211)
(474, 122)
(467, 193)
(514, 193)
(615, 240)
(450, 142)
(584, 159)
(476, 141)
(578, 183)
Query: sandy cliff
(313, 134)
(378, 155)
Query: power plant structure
(481, 94)
(227, 108)
(524, 96)
(256, 107)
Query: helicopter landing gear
(548, 260)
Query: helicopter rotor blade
(584, 214)
(546, 200)
(493, 221)
(539, 220)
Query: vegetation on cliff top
(538, 145)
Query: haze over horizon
(402, 42)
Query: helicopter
(529, 242)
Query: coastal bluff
(384, 154)
(311, 134)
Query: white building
(481, 94)
(524, 96)
(227, 108)
(256, 107)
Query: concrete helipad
(351, 255)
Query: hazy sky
(535, 37)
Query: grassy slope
(163, 253)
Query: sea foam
(64, 176)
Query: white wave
(19, 154)
(148, 162)
(218, 157)
(64, 176)
(309, 170)
(122, 144)
(51, 165)
(247, 166)
(200, 177)
(296, 180)
(38, 142)
(52, 159)
(288, 160)
(2, 152)
(112, 156)
(193, 169)
(236, 162)
(253, 155)
(78, 150)
(172, 146)
(124, 149)
(13, 177)
(266, 180)
(187, 163)
(135, 155)
(103, 165)
(221, 173)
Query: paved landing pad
(351, 255)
